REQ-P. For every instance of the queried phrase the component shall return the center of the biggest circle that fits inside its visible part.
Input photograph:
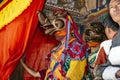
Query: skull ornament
(55, 22)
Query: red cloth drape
(15, 37)
(101, 59)
(40, 46)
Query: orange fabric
(6, 2)
(92, 44)
(101, 57)
(60, 33)
(15, 37)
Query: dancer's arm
(29, 70)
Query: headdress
(60, 13)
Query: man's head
(111, 27)
(94, 34)
(114, 9)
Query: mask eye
(59, 23)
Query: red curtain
(40, 46)
(16, 36)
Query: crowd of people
(93, 56)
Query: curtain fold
(16, 36)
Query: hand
(118, 74)
(29, 70)
(66, 78)
(21, 61)
(38, 12)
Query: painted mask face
(55, 23)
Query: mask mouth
(50, 31)
(47, 26)
(59, 38)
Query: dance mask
(53, 22)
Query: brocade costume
(69, 63)
(68, 59)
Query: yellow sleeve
(76, 70)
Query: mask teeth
(48, 31)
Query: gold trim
(95, 15)
(12, 10)
(3, 2)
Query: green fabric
(93, 54)
(89, 76)
(66, 63)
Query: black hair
(95, 32)
(108, 22)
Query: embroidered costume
(68, 60)
(70, 63)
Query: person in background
(112, 71)
(111, 29)
(94, 34)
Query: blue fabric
(1, 1)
